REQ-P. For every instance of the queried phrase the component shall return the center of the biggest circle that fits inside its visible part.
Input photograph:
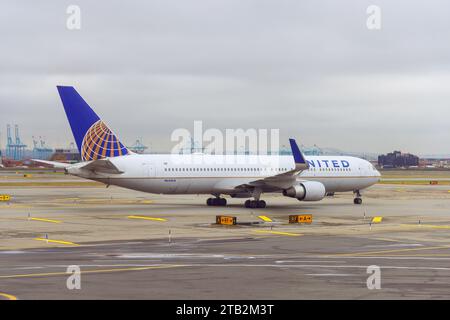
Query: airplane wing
(286, 179)
(279, 181)
(55, 164)
(101, 166)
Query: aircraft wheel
(222, 202)
(255, 204)
(261, 204)
(357, 201)
(209, 201)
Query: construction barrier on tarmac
(5, 197)
(300, 218)
(226, 220)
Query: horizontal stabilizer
(101, 166)
(54, 164)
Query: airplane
(107, 160)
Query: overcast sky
(309, 68)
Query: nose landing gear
(357, 199)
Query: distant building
(66, 155)
(398, 159)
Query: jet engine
(306, 191)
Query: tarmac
(133, 245)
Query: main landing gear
(357, 199)
(255, 204)
(216, 202)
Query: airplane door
(148, 169)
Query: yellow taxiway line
(279, 233)
(426, 226)
(265, 218)
(15, 205)
(45, 220)
(8, 296)
(57, 241)
(146, 218)
(50, 274)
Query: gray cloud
(310, 68)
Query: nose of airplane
(377, 174)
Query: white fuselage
(216, 174)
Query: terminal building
(398, 159)
(66, 155)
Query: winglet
(299, 159)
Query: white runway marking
(399, 258)
(307, 261)
(169, 255)
(111, 244)
(285, 266)
(330, 274)
(11, 252)
(395, 245)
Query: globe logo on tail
(99, 142)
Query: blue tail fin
(299, 159)
(93, 137)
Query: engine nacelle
(306, 191)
